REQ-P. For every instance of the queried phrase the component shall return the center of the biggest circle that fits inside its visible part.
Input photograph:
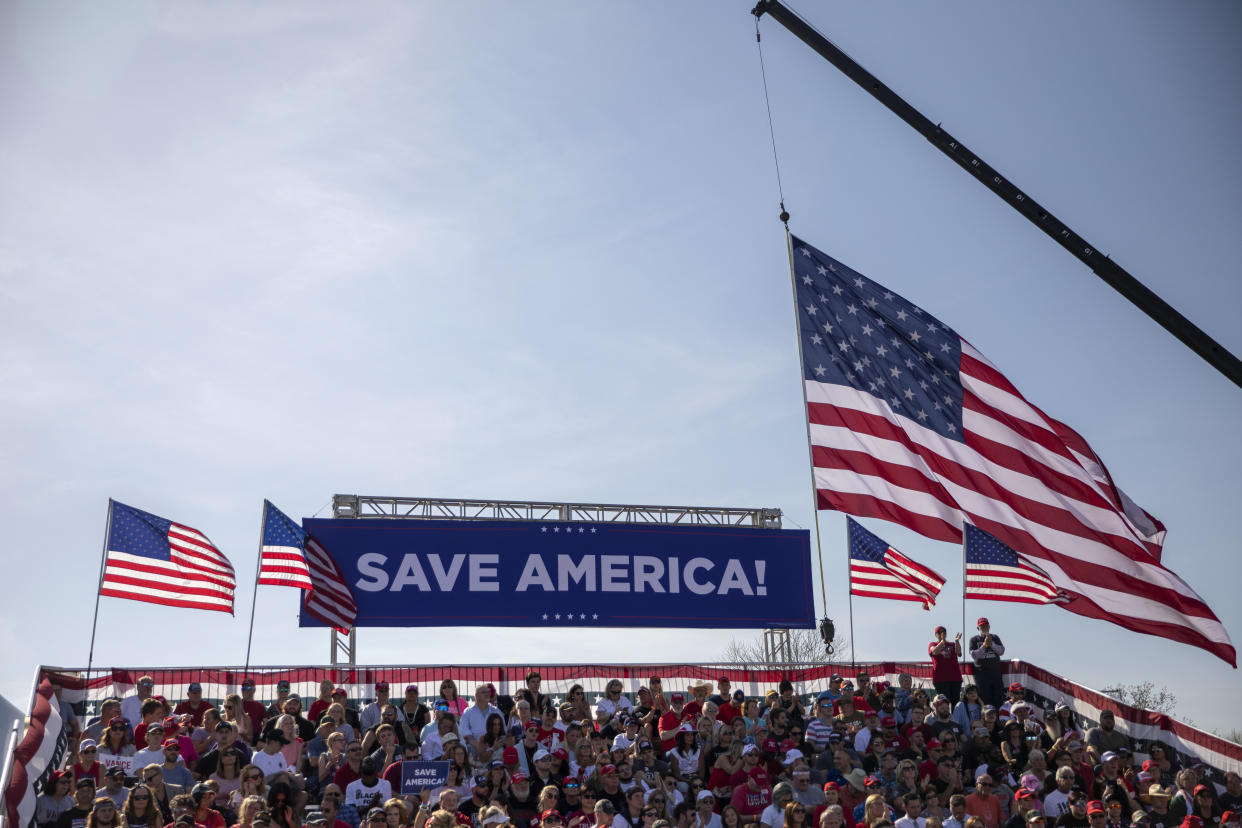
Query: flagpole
(255, 598)
(819, 547)
(849, 580)
(962, 648)
(103, 563)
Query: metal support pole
(103, 563)
(1114, 274)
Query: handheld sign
(418, 775)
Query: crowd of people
(861, 754)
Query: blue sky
(531, 251)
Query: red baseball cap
(339, 691)
(769, 746)
(510, 755)
(981, 622)
(608, 770)
(518, 776)
(1095, 806)
(831, 786)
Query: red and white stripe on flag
(284, 566)
(195, 574)
(1022, 583)
(898, 578)
(1023, 477)
(330, 601)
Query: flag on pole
(291, 557)
(158, 561)
(877, 570)
(994, 572)
(910, 423)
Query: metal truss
(432, 508)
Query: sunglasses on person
(649, 814)
(140, 796)
(89, 750)
(254, 776)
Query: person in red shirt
(946, 671)
(671, 721)
(752, 790)
(255, 710)
(194, 704)
(729, 712)
(694, 708)
(86, 764)
(321, 704)
(351, 768)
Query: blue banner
(429, 573)
(418, 775)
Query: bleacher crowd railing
(84, 691)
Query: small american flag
(161, 562)
(291, 557)
(877, 570)
(994, 572)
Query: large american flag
(290, 556)
(877, 570)
(910, 423)
(994, 572)
(161, 562)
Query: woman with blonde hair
(246, 810)
(235, 714)
(731, 760)
(252, 784)
(875, 810)
(332, 758)
(832, 817)
(140, 810)
(294, 744)
(336, 712)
